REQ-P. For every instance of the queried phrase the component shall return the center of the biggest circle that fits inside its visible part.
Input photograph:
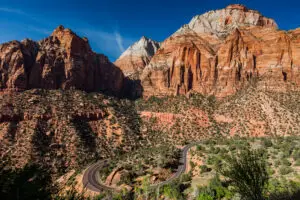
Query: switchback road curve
(90, 181)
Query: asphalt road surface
(90, 175)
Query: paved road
(90, 175)
(90, 181)
(181, 168)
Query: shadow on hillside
(114, 83)
(30, 182)
(286, 196)
(133, 89)
(86, 134)
(12, 130)
(41, 142)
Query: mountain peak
(222, 22)
(137, 56)
(61, 29)
(145, 46)
(144, 38)
(66, 34)
(237, 6)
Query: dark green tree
(247, 171)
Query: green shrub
(232, 147)
(216, 150)
(212, 100)
(200, 148)
(284, 170)
(204, 169)
(247, 171)
(210, 160)
(192, 164)
(204, 197)
(296, 154)
(267, 142)
(286, 162)
(223, 151)
(172, 192)
(277, 163)
(215, 190)
(283, 189)
(270, 171)
(186, 177)
(297, 163)
(211, 149)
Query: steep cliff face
(137, 56)
(63, 60)
(16, 60)
(224, 59)
(180, 65)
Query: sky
(113, 25)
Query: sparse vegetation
(248, 173)
(143, 137)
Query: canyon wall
(247, 49)
(61, 61)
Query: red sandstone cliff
(243, 47)
(63, 60)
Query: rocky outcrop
(16, 60)
(63, 60)
(221, 22)
(224, 59)
(137, 56)
(181, 64)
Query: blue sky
(113, 25)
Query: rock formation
(220, 52)
(221, 22)
(137, 56)
(217, 53)
(63, 60)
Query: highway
(90, 175)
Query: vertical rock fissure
(190, 79)
(216, 71)
(254, 62)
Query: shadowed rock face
(63, 60)
(224, 59)
(16, 61)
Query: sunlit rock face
(222, 51)
(137, 56)
(63, 60)
(221, 22)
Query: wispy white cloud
(29, 22)
(11, 10)
(119, 41)
(39, 30)
(110, 43)
(22, 13)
